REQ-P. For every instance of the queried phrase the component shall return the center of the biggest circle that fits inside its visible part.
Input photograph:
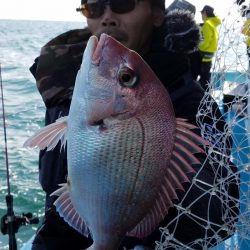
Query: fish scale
(127, 152)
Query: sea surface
(20, 43)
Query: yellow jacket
(246, 31)
(210, 36)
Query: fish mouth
(92, 55)
(88, 53)
(99, 48)
(107, 41)
(103, 104)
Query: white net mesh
(229, 87)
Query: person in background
(164, 39)
(195, 56)
(246, 31)
(209, 43)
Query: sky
(64, 10)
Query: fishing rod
(10, 223)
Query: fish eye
(127, 77)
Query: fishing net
(229, 87)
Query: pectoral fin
(49, 136)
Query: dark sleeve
(56, 68)
(195, 60)
(53, 164)
(208, 208)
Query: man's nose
(109, 18)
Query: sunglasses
(96, 9)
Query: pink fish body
(127, 152)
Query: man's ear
(158, 16)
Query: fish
(127, 152)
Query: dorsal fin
(49, 136)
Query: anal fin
(66, 210)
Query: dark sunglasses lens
(93, 10)
(122, 6)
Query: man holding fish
(127, 111)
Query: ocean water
(20, 43)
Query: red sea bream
(127, 152)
